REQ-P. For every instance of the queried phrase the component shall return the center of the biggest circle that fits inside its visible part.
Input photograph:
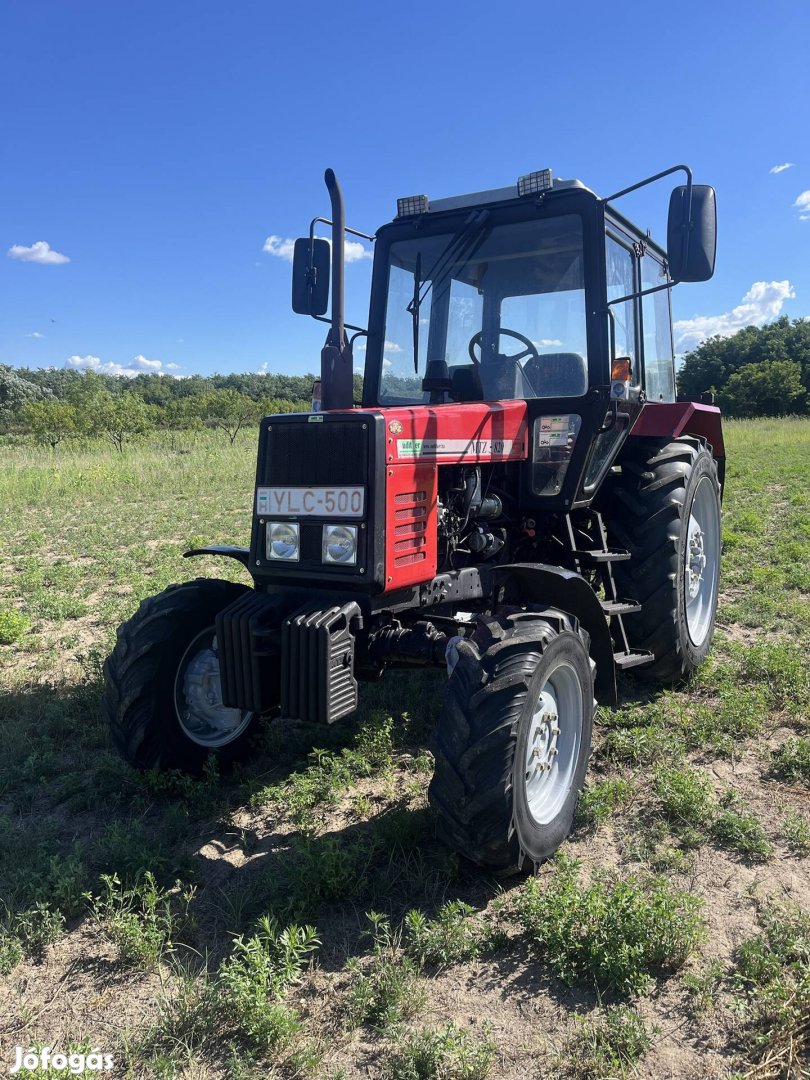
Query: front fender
(227, 551)
(571, 593)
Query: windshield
(504, 306)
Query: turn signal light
(620, 372)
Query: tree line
(54, 405)
(759, 371)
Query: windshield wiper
(458, 247)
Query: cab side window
(621, 282)
(659, 366)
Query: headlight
(283, 541)
(339, 544)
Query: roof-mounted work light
(412, 205)
(535, 183)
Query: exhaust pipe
(337, 386)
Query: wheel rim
(701, 561)
(198, 696)
(552, 747)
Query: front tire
(513, 741)
(665, 510)
(162, 697)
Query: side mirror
(310, 278)
(692, 237)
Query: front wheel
(162, 695)
(513, 742)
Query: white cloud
(388, 346)
(40, 252)
(283, 248)
(546, 342)
(386, 363)
(763, 301)
(781, 168)
(142, 364)
(802, 204)
(137, 366)
(172, 367)
(354, 251)
(276, 245)
(262, 368)
(36, 334)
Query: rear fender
(571, 593)
(676, 418)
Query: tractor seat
(562, 374)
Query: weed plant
(608, 1046)
(447, 1053)
(455, 935)
(387, 989)
(615, 934)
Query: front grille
(333, 452)
(323, 451)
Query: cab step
(620, 607)
(598, 556)
(624, 660)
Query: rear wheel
(665, 509)
(162, 694)
(513, 741)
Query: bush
(613, 934)
(13, 625)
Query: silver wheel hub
(701, 561)
(695, 558)
(198, 696)
(552, 745)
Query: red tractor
(519, 497)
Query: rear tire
(506, 783)
(161, 682)
(665, 510)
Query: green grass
(791, 762)
(773, 979)
(602, 799)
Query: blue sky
(158, 145)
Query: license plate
(344, 502)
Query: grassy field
(299, 920)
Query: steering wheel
(530, 349)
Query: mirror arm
(346, 325)
(652, 179)
(643, 292)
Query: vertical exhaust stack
(337, 388)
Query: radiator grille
(334, 452)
